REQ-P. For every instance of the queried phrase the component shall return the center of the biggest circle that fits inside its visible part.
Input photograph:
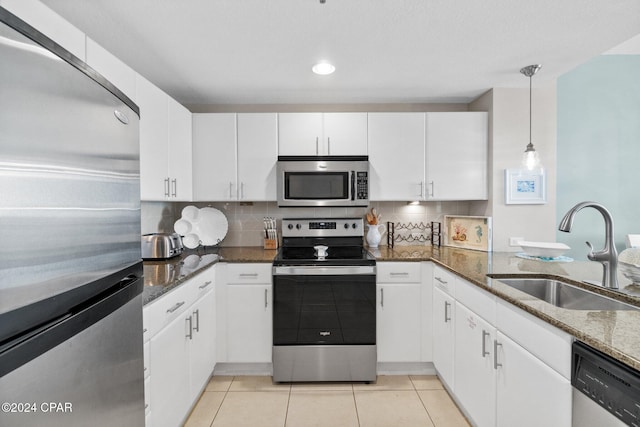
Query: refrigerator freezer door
(69, 173)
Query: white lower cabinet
(398, 322)
(249, 322)
(180, 352)
(202, 349)
(399, 312)
(529, 392)
(169, 383)
(249, 313)
(443, 335)
(475, 385)
(501, 380)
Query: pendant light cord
(530, 103)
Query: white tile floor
(396, 401)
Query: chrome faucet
(608, 256)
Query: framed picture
(524, 187)
(468, 232)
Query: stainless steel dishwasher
(605, 391)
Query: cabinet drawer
(205, 282)
(398, 272)
(249, 273)
(444, 280)
(160, 312)
(546, 342)
(477, 300)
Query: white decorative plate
(206, 226)
(212, 226)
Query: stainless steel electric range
(324, 302)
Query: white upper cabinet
(428, 156)
(299, 134)
(154, 140)
(322, 134)
(345, 134)
(234, 156)
(456, 156)
(396, 156)
(257, 156)
(214, 157)
(165, 145)
(117, 72)
(180, 168)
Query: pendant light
(530, 158)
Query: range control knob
(298, 226)
(290, 226)
(346, 225)
(354, 225)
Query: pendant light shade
(530, 158)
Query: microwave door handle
(353, 185)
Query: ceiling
(220, 52)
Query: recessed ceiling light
(323, 68)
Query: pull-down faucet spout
(608, 256)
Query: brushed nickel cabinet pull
(485, 334)
(496, 344)
(446, 311)
(175, 307)
(190, 328)
(207, 283)
(197, 316)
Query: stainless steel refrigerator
(70, 265)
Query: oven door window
(324, 310)
(316, 185)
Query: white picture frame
(525, 187)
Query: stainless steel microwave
(308, 181)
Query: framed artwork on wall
(525, 187)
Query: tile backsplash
(246, 226)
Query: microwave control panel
(362, 185)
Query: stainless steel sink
(564, 295)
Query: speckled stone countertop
(613, 332)
(161, 276)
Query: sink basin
(564, 295)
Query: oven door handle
(330, 270)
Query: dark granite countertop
(161, 276)
(612, 332)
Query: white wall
(508, 137)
